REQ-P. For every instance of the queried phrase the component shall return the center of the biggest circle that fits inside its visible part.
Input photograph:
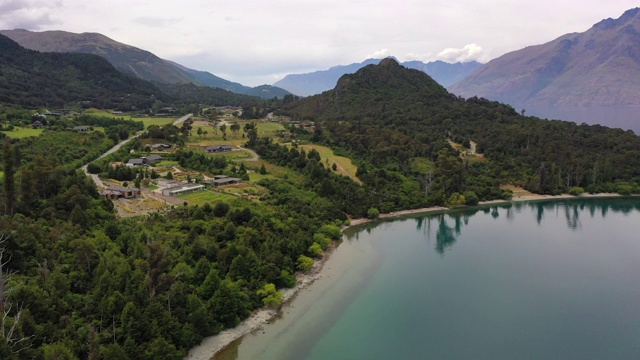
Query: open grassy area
(327, 157)
(214, 136)
(273, 171)
(145, 120)
(206, 196)
(422, 165)
(22, 132)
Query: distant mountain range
(319, 81)
(591, 77)
(140, 63)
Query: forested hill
(387, 90)
(389, 116)
(30, 78)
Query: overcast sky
(260, 41)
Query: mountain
(132, 60)
(442, 72)
(587, 76)
(323, 80)
(129, 59)
(400, 120)
(208, 79)
(31, 78)
(384, 90)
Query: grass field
(273, 171)
(22, 132)
(202, 197)
(145, 120)
(265, 129)
(327, 157)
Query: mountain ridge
(596, 68)
(129, 59)
(316, 82)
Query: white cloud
(27, 14)
(383, 53)
(469, 52)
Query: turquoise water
(544, 280)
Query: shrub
(373, 213)
(576, 190)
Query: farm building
(115, 192)
(182, 189)
(218, 148)
(220, 180)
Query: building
(37, 125)
(135, 162)
(152, 158)
(221, 180)
(81, 128)
(158, 147)
(116, 192)
(182, 189)
(218, 148)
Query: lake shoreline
(212, 345)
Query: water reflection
(448, 226)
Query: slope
(389, 116)
(596, 68)
(30, 78)
(138, 62)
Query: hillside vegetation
(388, 115)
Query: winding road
(117, 147)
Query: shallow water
(527, 280)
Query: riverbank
(214, 344)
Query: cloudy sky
(259, 41)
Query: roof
(225, 180)
(214, 147)
(136, 162)
(153, 158)
(121, 189)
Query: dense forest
(79, 283)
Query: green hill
(392, 118)
(30, 78)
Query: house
(221, 180)
(158, 147)
(182, 189)
(117, 113)
(37, 125)
(151, 159)
(218, 148)
(81, 128)
(135, 162)
(116, 192)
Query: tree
(199, 131)
(373, 213)
(235, 128)
(263, 170)
(271, 297)
(304, 263)
(9, 185)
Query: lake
(538, 280)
